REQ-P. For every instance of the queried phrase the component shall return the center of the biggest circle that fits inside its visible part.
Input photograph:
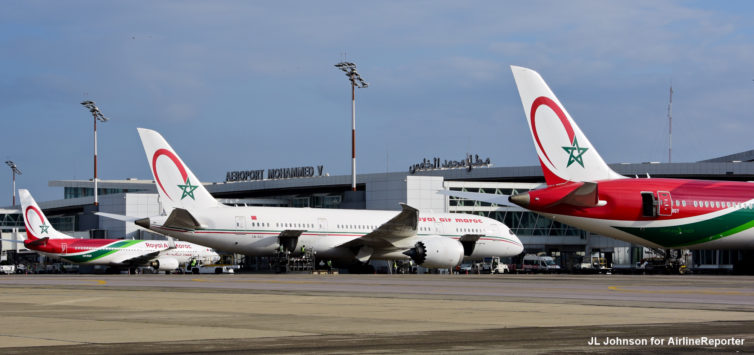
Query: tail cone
(520, 199)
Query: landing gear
(675, 261)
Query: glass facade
(76, 192)
(521, 222)
(317, 201)
(61, 223)
(11, 220)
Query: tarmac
(476, 314)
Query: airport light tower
(356, 81)
(15, 172)
(97, 114)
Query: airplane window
(683, 203)
(706, 204)
(717, 204)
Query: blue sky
(239, 85)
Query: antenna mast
(670, 126)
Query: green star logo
(188, 189)
(44, 229)
(574, 153)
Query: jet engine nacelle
(164, 264)
(436, 252)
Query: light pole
(356, 81)
(97, 114)
(15, 172)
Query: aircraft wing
(501, 200)
(141, 259)
(385, 236)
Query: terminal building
(310, 187)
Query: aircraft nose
(517, 248)
(521, 199)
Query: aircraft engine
(164, 264)
(436, 252)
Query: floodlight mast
(97, 115)
(356, 81)
(14, 171)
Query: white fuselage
(121, 252)
(255, 230)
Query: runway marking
(77, 300)
(726, 293)
(263, 281)
(100, 282)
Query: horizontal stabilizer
(117, 217)
(11, 241)
(585, 196)
(501, 200)
(38, 242)
(181, 219)
(580, 194)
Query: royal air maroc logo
(29, 226)
(575, 152)
(188, 189)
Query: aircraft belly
(686, 233)
(601, 227)
(495, 247)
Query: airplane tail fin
(564, 151)
(177, 185)
(37, 224)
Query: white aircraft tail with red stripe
(177, 185)
(564, 151)
(37, 224)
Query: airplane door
(438, 227)
(665, 203)
(240, 222)
(322, 222)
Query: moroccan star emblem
(574, 153)
(188, 189)
(43, 228)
